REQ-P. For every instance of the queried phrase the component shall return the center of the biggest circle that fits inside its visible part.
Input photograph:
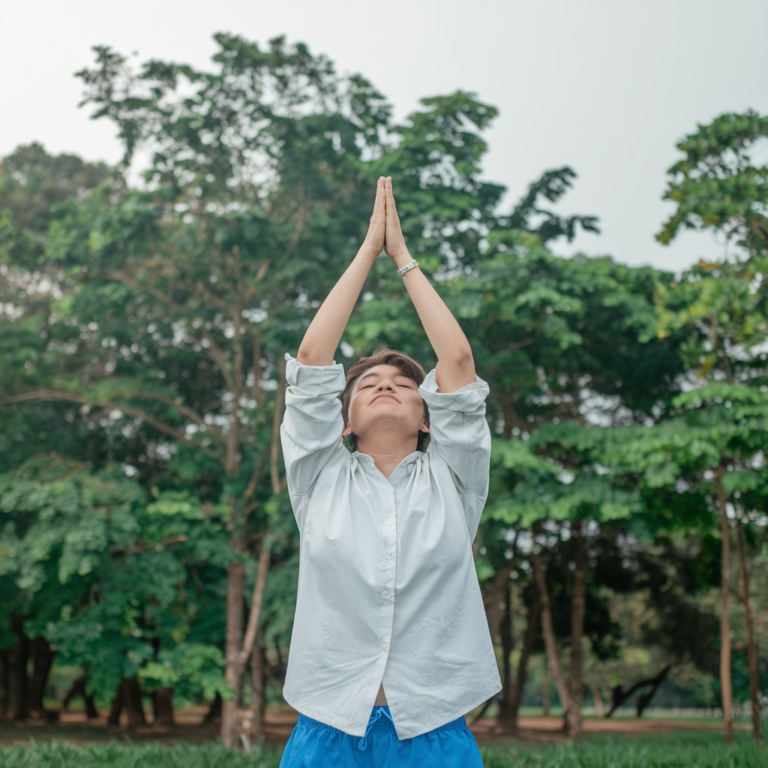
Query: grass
(62, 754)
(630, 753)
(671, 750)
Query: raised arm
(325, 331)
(456, 366)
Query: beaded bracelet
(409, 265)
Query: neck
(387, 451)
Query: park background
(586, 183)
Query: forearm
(449, 342)
(325, 331)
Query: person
(390, 646)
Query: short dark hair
(384, 356)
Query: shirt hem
(334, 721)
(458, 712)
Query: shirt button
(384, 646)
(385, 593)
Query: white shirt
(388, 590)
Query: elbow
(308, 356)
(461, 358)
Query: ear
(424, 427)
(347, 431)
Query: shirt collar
(411, 457)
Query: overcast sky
(605, 86)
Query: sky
(603, 86)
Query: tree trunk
(644, 699)
(549, 633)
(726, 685)
(546, 692)
(90, 706)
(78, 688)
(619, 695)
(238, 647)
(5, 682)
(598, 699)
(213, 715)
(42, 661)
(574, 725)
(18, 687)
(507, 720)
(162, 707)
(232, 676)
(132, 701)
(116, 709)
(493, 600)
(754, 675)
(257, 689)
(505, 633)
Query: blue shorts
(314, 745)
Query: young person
(390, 644)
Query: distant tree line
(146, 535)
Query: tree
(187, 293)
(723, 309)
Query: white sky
(605, 86)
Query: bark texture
(42, 660)
(213, 715)
(162, 707)
(505, 633)
(509, 707)
(256, 730)
(5, 681)
(18, 683)
(754, 674)
(235, 581)
(132, 701)
(574, 725)
(549, 633)
(726, 685)
(116, 709)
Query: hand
(374, 240)
(394, 244)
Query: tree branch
(188, 412)
(41, 393)
(258, 592)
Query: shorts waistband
(382, 723)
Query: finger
(390, 196)
(379, 202)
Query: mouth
(389, 397)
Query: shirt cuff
(315, 379)
(467, 398)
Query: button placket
(389, 536)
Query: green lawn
(671, 750)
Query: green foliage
(617, 392)
(716, 185)
(193, 670)
(111, 580)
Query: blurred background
(181, 184)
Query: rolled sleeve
(312, 425)
(461, 437)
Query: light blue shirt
(388, 591)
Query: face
(383, 396)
